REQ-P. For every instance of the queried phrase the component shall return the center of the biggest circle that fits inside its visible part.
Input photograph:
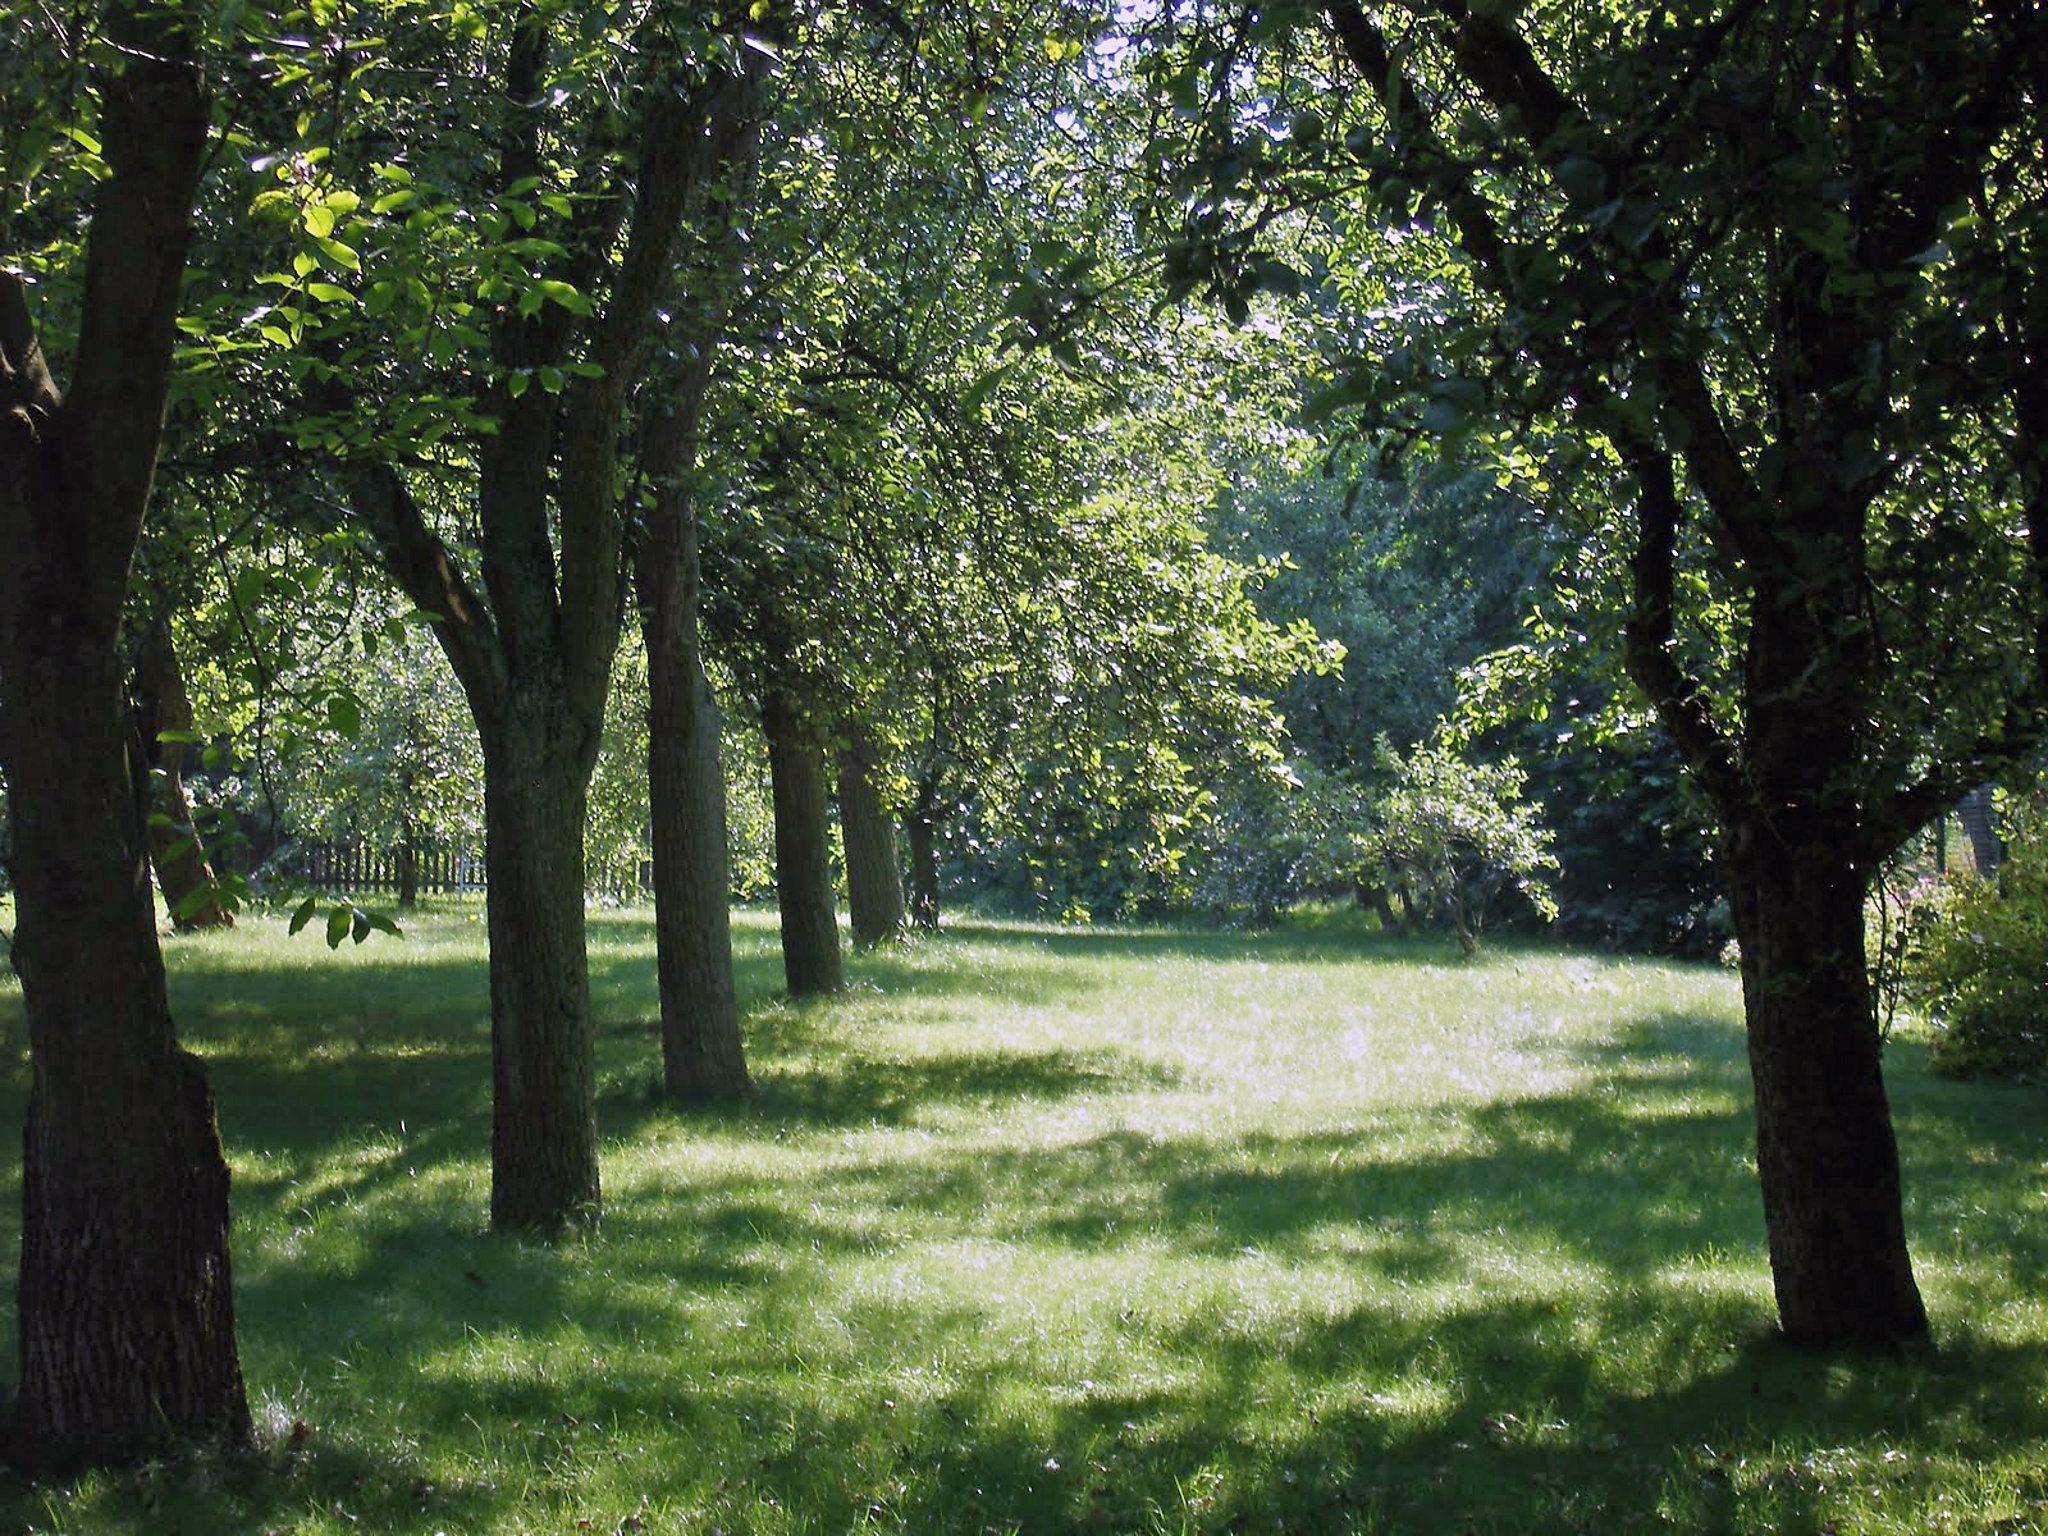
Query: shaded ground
(1042, 1230)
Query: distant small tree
(1449, 835)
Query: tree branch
(685, 141)
(153, 123)
(1649, 647)
(421, 565)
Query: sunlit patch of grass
(1040, 1229)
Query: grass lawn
(1047, 1230)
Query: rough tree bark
(543, 1109)
(803, 847)
(191, 889)
(874, 876)
(703, 1057)
(126, 1313)
(1826, 1153)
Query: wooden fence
(355, 867)
(344, 866)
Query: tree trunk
(921, 830)
(1825, 1148)
(544, 1172)
(408, 864)
(1374, 899)
(126, 1314)
(1980, 824)
(874, 879)
(702, 1056)
(803, 856)
(190, 887)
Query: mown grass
(1052, 1230)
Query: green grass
(1046, 1230)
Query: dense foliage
(1976, 957)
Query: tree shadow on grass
(849, 1089)
(1556, 1323)
(1448, 1396)
(1345, 945)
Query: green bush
(1977, 962)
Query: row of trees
(465, 283)
(556, 316)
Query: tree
(874, 874)
(1448, 835)
(803, 853)
(126, 1312)
(1775, 275)
(597, 153)
(702, 1054)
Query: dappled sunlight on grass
(1041, 1229)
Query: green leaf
(1582, 179)
(345, 714)
(564, 294)
(339, 921)
(304, 914)
(194, 901)
(340, 255)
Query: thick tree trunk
(1825, 1150)
(190, 887)
(126, 1313)
(534, 647)
(803, 848)
(544, 1173)
(702, 1055)
(921, 831)
(874, 878)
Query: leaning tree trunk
(126, 1314)
(544, 1173)
(1826, 1154)
(874, 880)
(1373, 898)
(803, 848)
(183, 872)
